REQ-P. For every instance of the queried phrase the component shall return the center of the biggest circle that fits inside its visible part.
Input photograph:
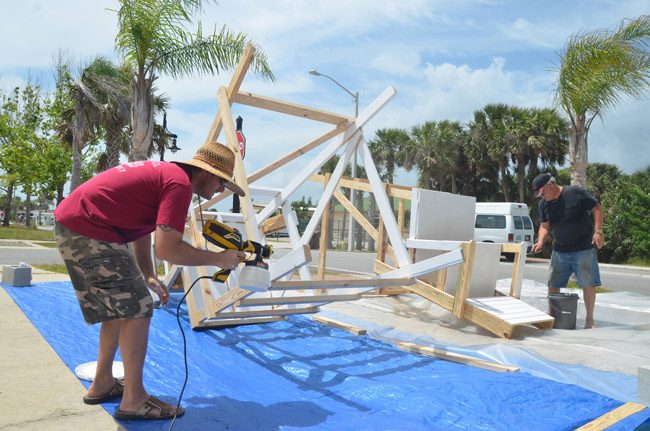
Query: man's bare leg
(589, 294)
(109, 336)
(134, 336)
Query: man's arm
(170, 246)
(142, 254)
(542, 236)
(599, 237)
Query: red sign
(242, 143)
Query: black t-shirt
(570, 219)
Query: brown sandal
(115, 392)
(153, 408)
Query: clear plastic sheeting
(298, 374)
(604, 359)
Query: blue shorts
(583, 263)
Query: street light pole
(355, 97)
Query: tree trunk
(59, 193)
(141, 119)
(77, 143)
(504, 184)
(578, 152)
(113, 149)
(28, 207)
(521, 177)
(454, 189)
(10, 197)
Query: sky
(446, 59)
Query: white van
(503, 222)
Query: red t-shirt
(126, 202)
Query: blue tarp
(297, 374)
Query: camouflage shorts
(106, 279)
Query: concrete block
(643, 393)
(17, 275)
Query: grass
(22, 232)
(58, 268)
(638, 261)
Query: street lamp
(355, 97)
(167, 134)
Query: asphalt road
(615, 278)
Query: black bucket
(564, 307)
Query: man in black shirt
(568, 212)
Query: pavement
(38, 390)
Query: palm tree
(596, 71)
(387, 151)
(152, 37)
(488, 131)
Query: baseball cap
(540, 181)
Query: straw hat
(219, 160)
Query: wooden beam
(356, 214)
(250, 221)
(230, 298)
(464, 278)
(273, 224)
(456, 357)
(218, 323)
(400, 215)
(616, 415)
(233, 87)
(283, 107)
(340, 325)
(324, 236)
(311, 299)
(402, 192)
(266, 312)
(340, 284)
(421, 288)
(518, 271)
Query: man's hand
(598, 239)
(159, 287)
(537, 247)
(229, 259)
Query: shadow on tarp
(297, 374)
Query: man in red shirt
(93, 228)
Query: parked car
(503, 222)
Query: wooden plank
(273, 224)
(432, 244)
(296, 258)
(487, 321)
(324, 234)
(174, 272)
(511, 247)
(382, 241)
(384, 206)
(250, 221)
(330, 187)
(306, 299)
(464, 278)
(518, 271)
(276, 105)
(230, 298)
(266, 312)
(218, 323)
(421, 288)
(394, 190)
(291, 221)
(456, 357)
(340, 325)
(356, 214)
(612, 417)
(296, 153)
(340, 284)
(400, 215)
(426, 266)
(233, 87)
